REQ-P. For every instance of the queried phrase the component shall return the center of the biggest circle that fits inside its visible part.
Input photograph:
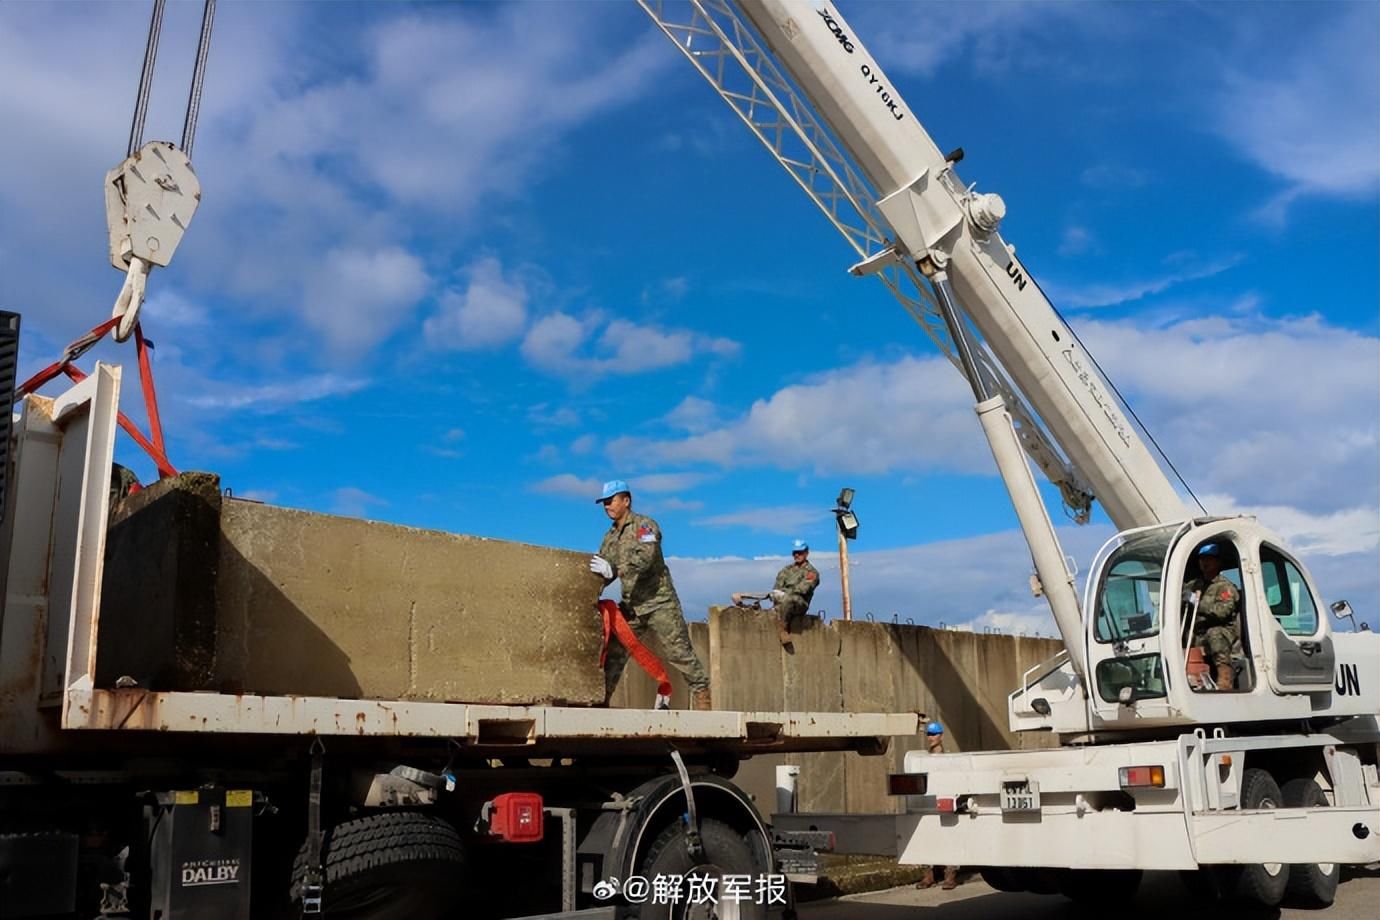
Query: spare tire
(405, 865)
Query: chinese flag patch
(809, 576)
(1225, 595)
(645, 534)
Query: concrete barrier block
(202, 593)
(316, 604)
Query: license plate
(1019, 796)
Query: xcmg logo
(837, 29)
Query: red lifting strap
(153, 447)
(616, 624)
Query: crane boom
(931, 222)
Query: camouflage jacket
(799, 582)
(1218, 603)
(633, 548)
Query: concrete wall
(960, 678)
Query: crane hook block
(150, 198)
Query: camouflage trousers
(673, 639)
(789, 611)
(1217, 643)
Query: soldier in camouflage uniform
(631, 553)
(795, 586)
(1217, 627)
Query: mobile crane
(1266, 776)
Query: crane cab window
(1128, 604)
(1291, 603)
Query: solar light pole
(848, 530)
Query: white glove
(778, 595)
(1190, 596)
(601, 567)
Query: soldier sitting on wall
(791, 595)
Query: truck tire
(1261, 884)
(726, 852)
(1000, 878)
(406, 865)
(1310, 884)
(1100, 886)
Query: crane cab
(1205, 622)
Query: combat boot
(950, 878)
(1226, 679)
(783, 633)
(702, 700)
(926, 878)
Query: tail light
(1136, 777)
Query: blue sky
(455, 265)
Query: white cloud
(568, 485)
(1109, 295)
(544, 416)
(552, 341)
(268, 496)
(356, 297)
(667, 290)
(1273, 412)
(560, 343)
(490, 312)
(361, 133)
(1076, 241)
(351, 501)
(1034, 620)
(989, 36)
(667, 482)
(693, 414)
(786, 519)
(1277, 413)
(167, 308)
(909, 414)
(1113, 176)
(672, 503)
(1338, 533)
(1309, 113)
(276, 396)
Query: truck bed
(536, 730)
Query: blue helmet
(800, 546)
(612, 488)
(1210, 549)
(934, 728)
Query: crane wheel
(1263, 883)
(1310, 884)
